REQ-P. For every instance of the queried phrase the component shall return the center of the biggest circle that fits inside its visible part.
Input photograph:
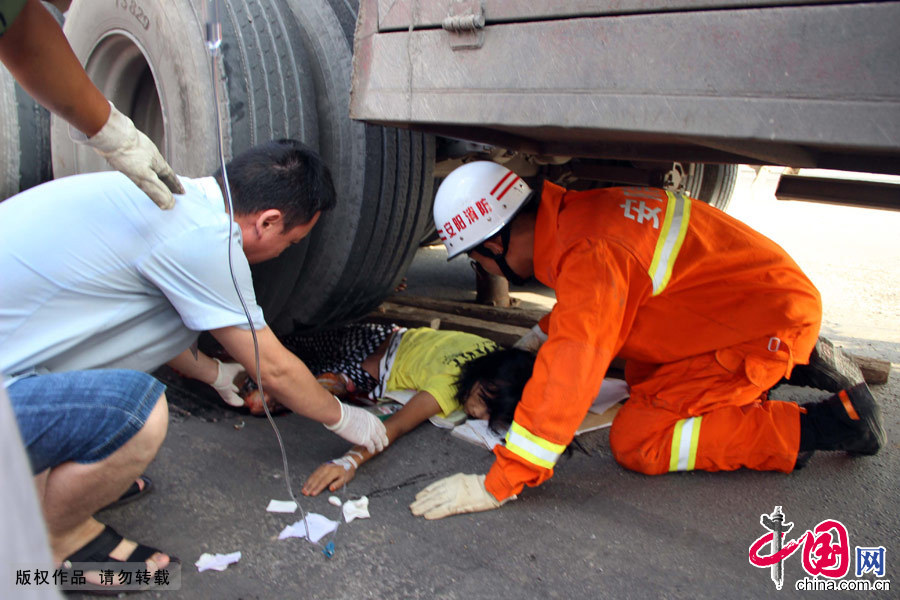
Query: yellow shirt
(429, 360)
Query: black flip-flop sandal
(98, 550)
(132, 493)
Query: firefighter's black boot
(829, 369)
(849, 421)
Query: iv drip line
(213, 44)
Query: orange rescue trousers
(709, 412)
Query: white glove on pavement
(224, 383)
(455, 495)
(360, 427)
(128, 150)
(533, 340)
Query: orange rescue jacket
(647, 275)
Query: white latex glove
(128, 150)
(360, 427)
(455, 495)
(224, 383)
(532, 340)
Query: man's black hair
(503, 375)
(283, 174)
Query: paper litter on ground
(334, 501)
(457, 417)
(282, 506)
(216, 562)
(611, 392)
(605, 406)
(593, 420)
(319, 527)
(477, 431)
(356, 509)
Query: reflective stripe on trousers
(685, 436)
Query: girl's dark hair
(283, 174)
(503, 375)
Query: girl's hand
(330, 475)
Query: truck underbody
(799, 84)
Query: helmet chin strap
(511, 276)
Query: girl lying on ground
(447, 369)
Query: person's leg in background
(23, 537)
(89, 434)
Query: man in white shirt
(99, 284)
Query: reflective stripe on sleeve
(532, 448)
(684, 444)
(671, 236)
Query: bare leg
(73, 492)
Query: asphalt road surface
(595, 530)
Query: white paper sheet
(611, 392)
(478, 432)
(457, 417)
(282, 506)
(356, 509)
(319, 527)
(216, 562)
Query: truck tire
(383, 177)
(24, 135)
(712, 183)
(9, 136)
(273, 88)
(151, 62)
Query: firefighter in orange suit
(708, 314)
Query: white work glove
(360, 427)
(224, 383)
(532, 340)
(128, 150)
(455, 495)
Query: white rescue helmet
(475, 202)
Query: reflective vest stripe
(532, 448)
(684, 444)
(671, 236)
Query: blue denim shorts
(81, 416)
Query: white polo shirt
(94, 275)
